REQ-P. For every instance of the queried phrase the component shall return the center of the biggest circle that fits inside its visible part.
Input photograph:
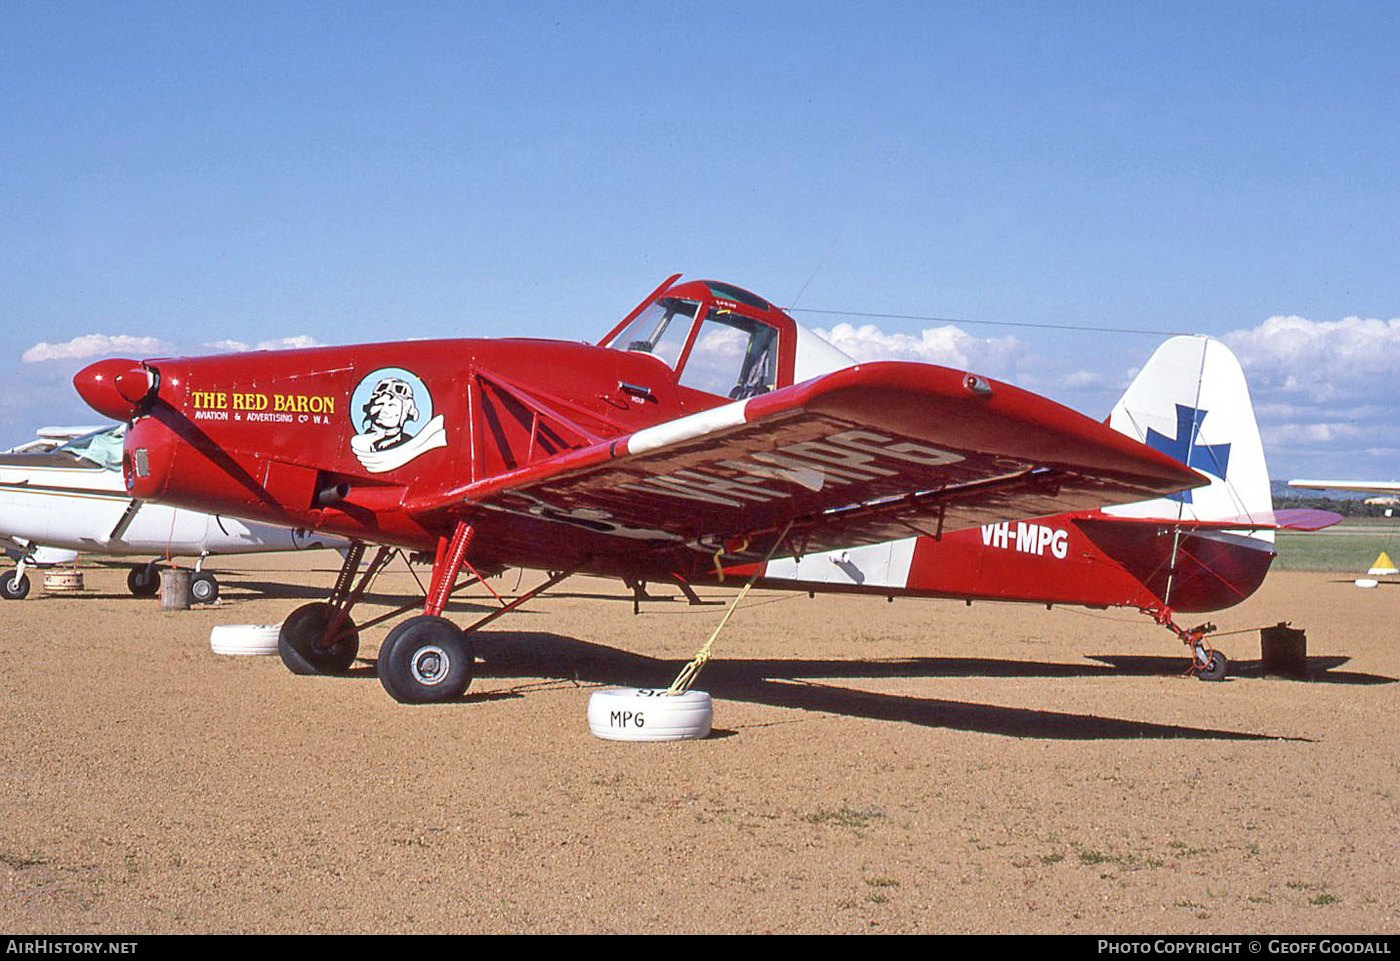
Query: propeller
(118, 388)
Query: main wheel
(14, 586)
(301, 632)
(425, 660)
(1215, 668)
(143, 581)
(204, 589)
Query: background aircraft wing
(1371, 487)
(866, 454)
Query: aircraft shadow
(1320, 670)
(800, 685)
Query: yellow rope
(691, 671)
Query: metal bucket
(1284, 650)
(174, 589)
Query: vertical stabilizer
(1190, 401)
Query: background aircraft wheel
(425, 660)
(296, 642)
(14, 586)
(204, 589)
(143, 581)
(1215, 668)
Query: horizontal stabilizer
(1291, 519)
(1303, 519)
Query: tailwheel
(1211, 665)
(425, 660)
(300, 641)
(1207, 663)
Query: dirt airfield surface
(917, 767)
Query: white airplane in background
(47, 438)
(55, 504)
(1383, 563)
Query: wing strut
(119, 531)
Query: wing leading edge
(867, 454)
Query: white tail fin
(1190, 401)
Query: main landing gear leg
(1207, 663)
(428, 659)
(321, 638)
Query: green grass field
(1351, 546)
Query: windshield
(103, 447)
(734, 356)
(660, 330)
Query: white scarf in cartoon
(432, 435)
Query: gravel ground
(921, 766)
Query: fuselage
(301, 438)
(1082, 558)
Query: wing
(1369, 487)
(867, 454)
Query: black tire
(143, 581)
(425, 660)
(302, 630)
(1215, 668)
(204, 589)
(14, 586)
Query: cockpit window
(738, 294)
(661, 330)
(734, 356)
(103, 447)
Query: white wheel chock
(643, 714)
(1367, 582)
(244, 639)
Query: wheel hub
(430, 665)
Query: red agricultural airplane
(708, 435)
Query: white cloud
(1291, 435)
(1323, 361)
(1085, 380)
(1324, 392)
(948, 345)
(226, 346)
(278, 343)
(289, 343)
(94, 345)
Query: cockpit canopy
(723, 340)
(101, 447)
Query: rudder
(1190, 401)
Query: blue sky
(186, 177)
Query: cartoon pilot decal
(386, 407)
